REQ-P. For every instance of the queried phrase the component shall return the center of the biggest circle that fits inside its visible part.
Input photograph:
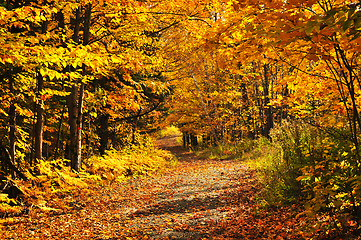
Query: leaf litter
(199, 199)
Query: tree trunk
(73, 112)
(268, 109)
(59, 134)
(12, 133)
(71, 102)
(76, 161)
(6, 158)
(76, 98)
(185, 139)
(39, 127)
(203, 103)
(194, 140)
(103, 132)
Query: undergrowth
(132, 161)
(227, 150)
(301, 164)
(55, 180)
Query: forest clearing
(184, 119)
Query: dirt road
(198, 199)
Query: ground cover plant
(55, 179)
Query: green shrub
(319, 167)
(294, 145)
(335, 182)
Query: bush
(335, 183)
(294, 145)
(55, 179)
(321, 168)
(133, 161)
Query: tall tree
(53, 51)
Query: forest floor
(197, 199)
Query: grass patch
(227, 150)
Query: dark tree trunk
(12, 133)
(72, 102)
(77, 23)
(268, 108)
(103, 132)
(39, 127)
(194, 140)
(6, 158)
(76, 98)
(72, 112)
(186, 140)
(59, 135)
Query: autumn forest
(140, 108)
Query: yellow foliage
(55, 173)
(130, 162)
(169, 131)
(56, 179)
(6, 210)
